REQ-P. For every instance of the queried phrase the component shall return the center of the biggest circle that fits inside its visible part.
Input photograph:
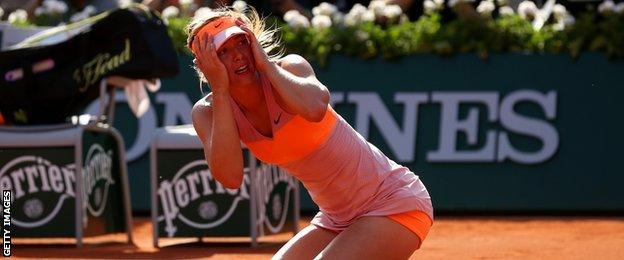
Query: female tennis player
(370, 207)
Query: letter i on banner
(6, 222)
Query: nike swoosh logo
(219, 24)
(276, 121)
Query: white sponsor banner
(401, 135)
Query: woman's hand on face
(207, 61)
(260, 56)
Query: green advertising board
(65, 180)
(43, 206)
(187, 201)
(515, 132)
(275, 193)
(103, 184)
(192, 204)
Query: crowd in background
(412, 8)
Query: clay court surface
(450, 238)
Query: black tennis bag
(44, 81)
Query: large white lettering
(370, 105)
(177, 106)
(520, 124)
(400, 134)
(496, 147)
(451, 125)
(336, 97)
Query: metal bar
(253, 199)
(102, 99)
(110, 114)
(123, 174)
(153, 177)
(297, 205)
(79, 186)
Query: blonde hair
(267, 37)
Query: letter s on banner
(517, 123)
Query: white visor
(224, 35)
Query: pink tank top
(346, 176)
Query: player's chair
(188, 202)
(67, 180)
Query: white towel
(136, 95)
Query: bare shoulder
(204, 102)
(201, 115)
(202, 107)
(296, 65)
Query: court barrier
(66, 174)
(65, 180)
(187, 201)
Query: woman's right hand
(207, 61)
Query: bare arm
(215, 127)
(294, 81)
(213, 120)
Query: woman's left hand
(261, 57)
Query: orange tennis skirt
(416, 221)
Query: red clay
(449, 238)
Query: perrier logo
(101, 64)
(274, 188)
(41, 188)
(97, 178)
(196, 199)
